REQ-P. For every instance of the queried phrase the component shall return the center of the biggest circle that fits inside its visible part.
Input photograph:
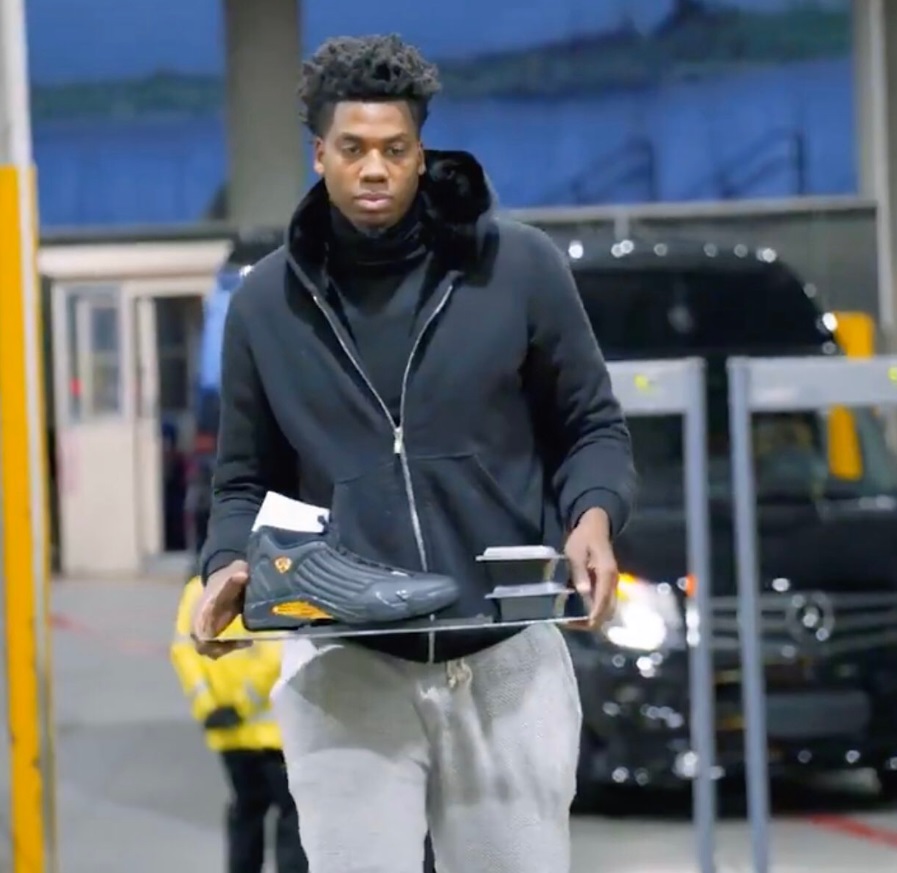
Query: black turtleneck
(378, 282)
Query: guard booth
(124, 320)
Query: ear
(421, 159)
(319, 155)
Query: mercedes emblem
(810, 618)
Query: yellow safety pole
(856, 334)
(23, 477)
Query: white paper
(288, 514)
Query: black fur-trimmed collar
(458, 206)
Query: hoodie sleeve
(572, 396)
(253, 455)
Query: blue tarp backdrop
(565, 101)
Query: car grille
(812, 623)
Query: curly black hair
(365, 68)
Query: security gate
(676, 387)
(778, 385)
(755, 385)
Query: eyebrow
(355, 137)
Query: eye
(350, 149)
(397, 150)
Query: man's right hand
(220, 604)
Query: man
(425, 370)
(230, 699)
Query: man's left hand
(593, 567)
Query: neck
(350, 246)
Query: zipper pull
(398, 444)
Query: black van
(824, 539)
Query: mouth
(373, 202)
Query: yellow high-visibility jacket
(242, 679)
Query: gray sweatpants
(481, 751)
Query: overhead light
(575, 250)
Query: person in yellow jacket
(230, 699)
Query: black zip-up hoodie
(509, 428)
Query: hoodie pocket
(464, 510)
(372, 516)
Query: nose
(374, 168)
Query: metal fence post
(782, 385)
(677, 387)
(700, 636)
(748, 579)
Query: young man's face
(371, 159)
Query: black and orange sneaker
(297, 579)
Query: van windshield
(643, 314)
(791, 461)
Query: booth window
(173, 349)
(94, 335)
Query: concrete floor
(137, 791)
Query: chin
(374, 221)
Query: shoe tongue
(329, 531)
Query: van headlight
(647, 616)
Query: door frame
(132, 270)
(140, 295)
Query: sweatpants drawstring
(458, 672)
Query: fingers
(219, 607)
(604, 598)
(600, 609)
(578, 564)
(237, 579)
(215, 649)
(221, 603)
(595, 580)
(204, 621)
(584, 624)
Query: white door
(93, 329)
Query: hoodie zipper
(397, 427)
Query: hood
(459, 203)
